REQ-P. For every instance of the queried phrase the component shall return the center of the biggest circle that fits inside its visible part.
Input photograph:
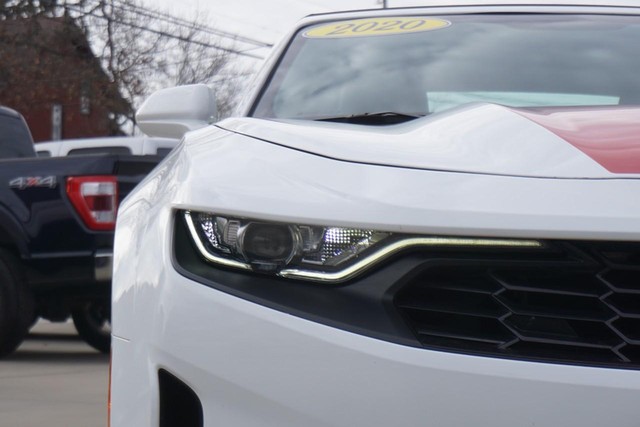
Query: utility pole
(384, 3)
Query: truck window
(15, 140)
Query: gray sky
(266, 20)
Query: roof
(616, 3)
(6, 111)
(415, 4)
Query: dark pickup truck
(57, 217)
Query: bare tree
(47, 60)
(140, 49)
(195, 62)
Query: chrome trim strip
(103, 265)
(366, 262)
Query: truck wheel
(93, 323)
(17, 308)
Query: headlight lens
(268, 243)
(309, 252)
(267, 246)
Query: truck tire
(93, 323)
(17, 308)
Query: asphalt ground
(54, 380)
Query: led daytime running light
(206, 254)
(397, 246)
(362, 262)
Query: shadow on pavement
(53, 337)
(58, 344)
(58, 356)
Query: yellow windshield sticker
(376, 27)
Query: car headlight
(308, 252)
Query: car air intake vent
(582, 308)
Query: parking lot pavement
(54, 380)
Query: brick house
(50, 75)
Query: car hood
(586, 142)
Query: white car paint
(254, 366)
(465, 139)
(251, 365)
(175, 111)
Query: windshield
(435, 63)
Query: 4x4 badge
(33, 181)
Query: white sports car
(421, 217)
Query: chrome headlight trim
(367, 261)
(407, 243)
(207, 255)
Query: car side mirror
(170, 113)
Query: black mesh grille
(580, 305)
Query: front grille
(579, 303)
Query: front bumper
(253, 366)
(252, 363)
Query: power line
(169, 35)
(245, 22)
(165, 17)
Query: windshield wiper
(382, 118)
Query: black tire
(17, 308)
(93, 323)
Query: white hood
(479, 138)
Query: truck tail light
(95, 198)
